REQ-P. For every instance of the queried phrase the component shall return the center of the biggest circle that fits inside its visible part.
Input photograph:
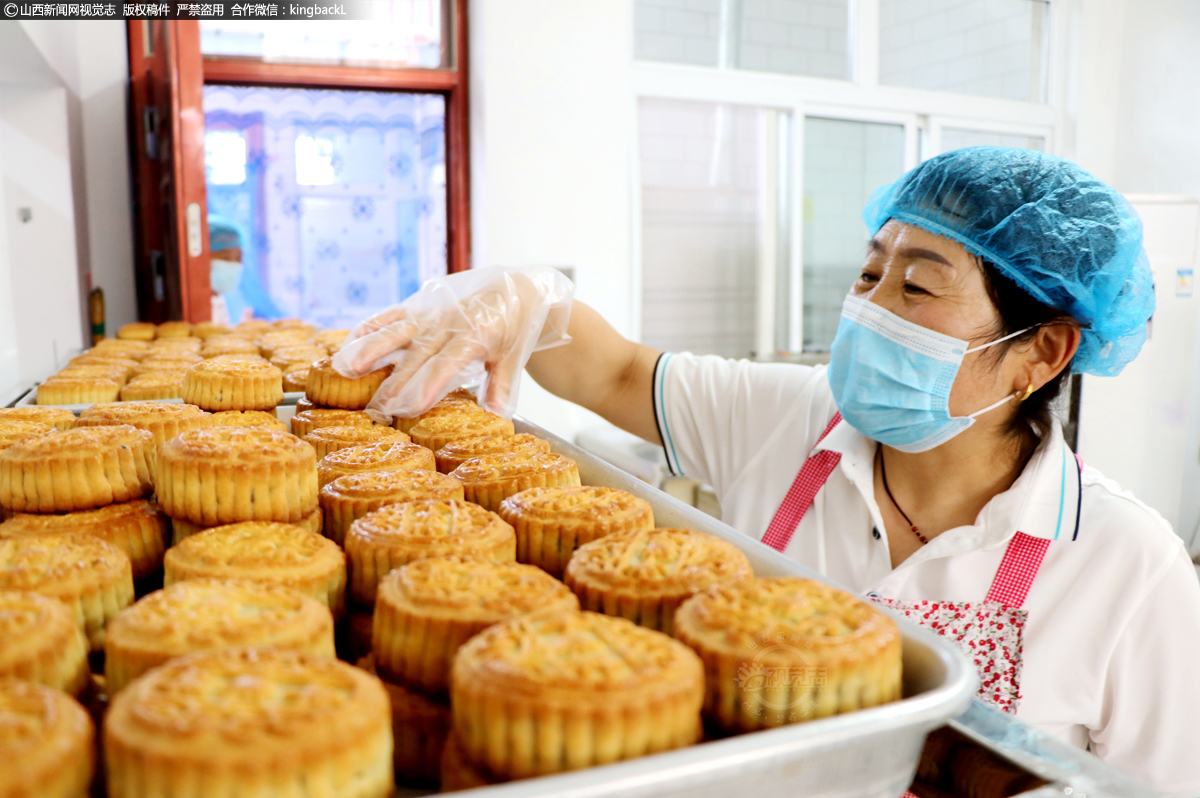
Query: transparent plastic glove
(456, 329)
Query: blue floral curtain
(341, 194)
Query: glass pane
(795, 37)
(681, 33)
(700, 184)
(340, 197)
(954, 138)
(400, 33)
(844, 162)
(990, 48)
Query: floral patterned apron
(988, 632)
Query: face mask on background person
(891, 378)
(225, 275)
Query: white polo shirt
(1112, 644)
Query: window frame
(861, 97)
(187, 140)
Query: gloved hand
(479, 323)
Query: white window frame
(924, 114)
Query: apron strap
(1020, 565)
(800, 495)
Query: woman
(921, 468)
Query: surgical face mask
(225, 276)
(891, 378)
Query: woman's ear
(1049, 353)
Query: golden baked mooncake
(328, 388)
(550, 692)
(77, 390)
(90, 576)
(492, 478)
(420, 726)
(166, 384)
(137, 528)
(349, 498)
(228, 344)
(309, 420)
(174, 329)
(127, 347)
(182, 528)
(437, 431)
(426, 610)
(785, 650)
(40, 641)
(207, 329)
(457, 403)
(389, 456)
(460, 450)
(232, 385)
(400, 533)
(47, 743)
(248, 418)
(77, 469)
(202, 614)
(14, 431)
(327, 440)
(645, 575)
(458, 772)
(162, 420)
(138, 331)
(60, 418)
(281, 554)
(551, 523)
(223, 475)
(245, 721)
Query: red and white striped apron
(989, 632)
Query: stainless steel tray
(871, 753)
(29, 399)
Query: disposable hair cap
(223, 233)
(1060, 234)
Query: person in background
(237, 293)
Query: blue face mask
(891, 378)
(225, 275)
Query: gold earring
(1028, 393)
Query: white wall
(552, 122)
(90, 62)
(42, 262)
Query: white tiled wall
(679, 31)
(957, 138)
(844, 161)
(796, 37)
(991, 48)
(699, 226)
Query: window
(793, 37)
(339, 149)
(828, 100)
(402, 33)
(990, 48)
(702, 175)
(844, 161)
(342, 203)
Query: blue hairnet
(1056, 231)
(223, 234)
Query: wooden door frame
(188, 131)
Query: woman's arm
(603, 371)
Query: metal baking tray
(871, 753)
(29, 399)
